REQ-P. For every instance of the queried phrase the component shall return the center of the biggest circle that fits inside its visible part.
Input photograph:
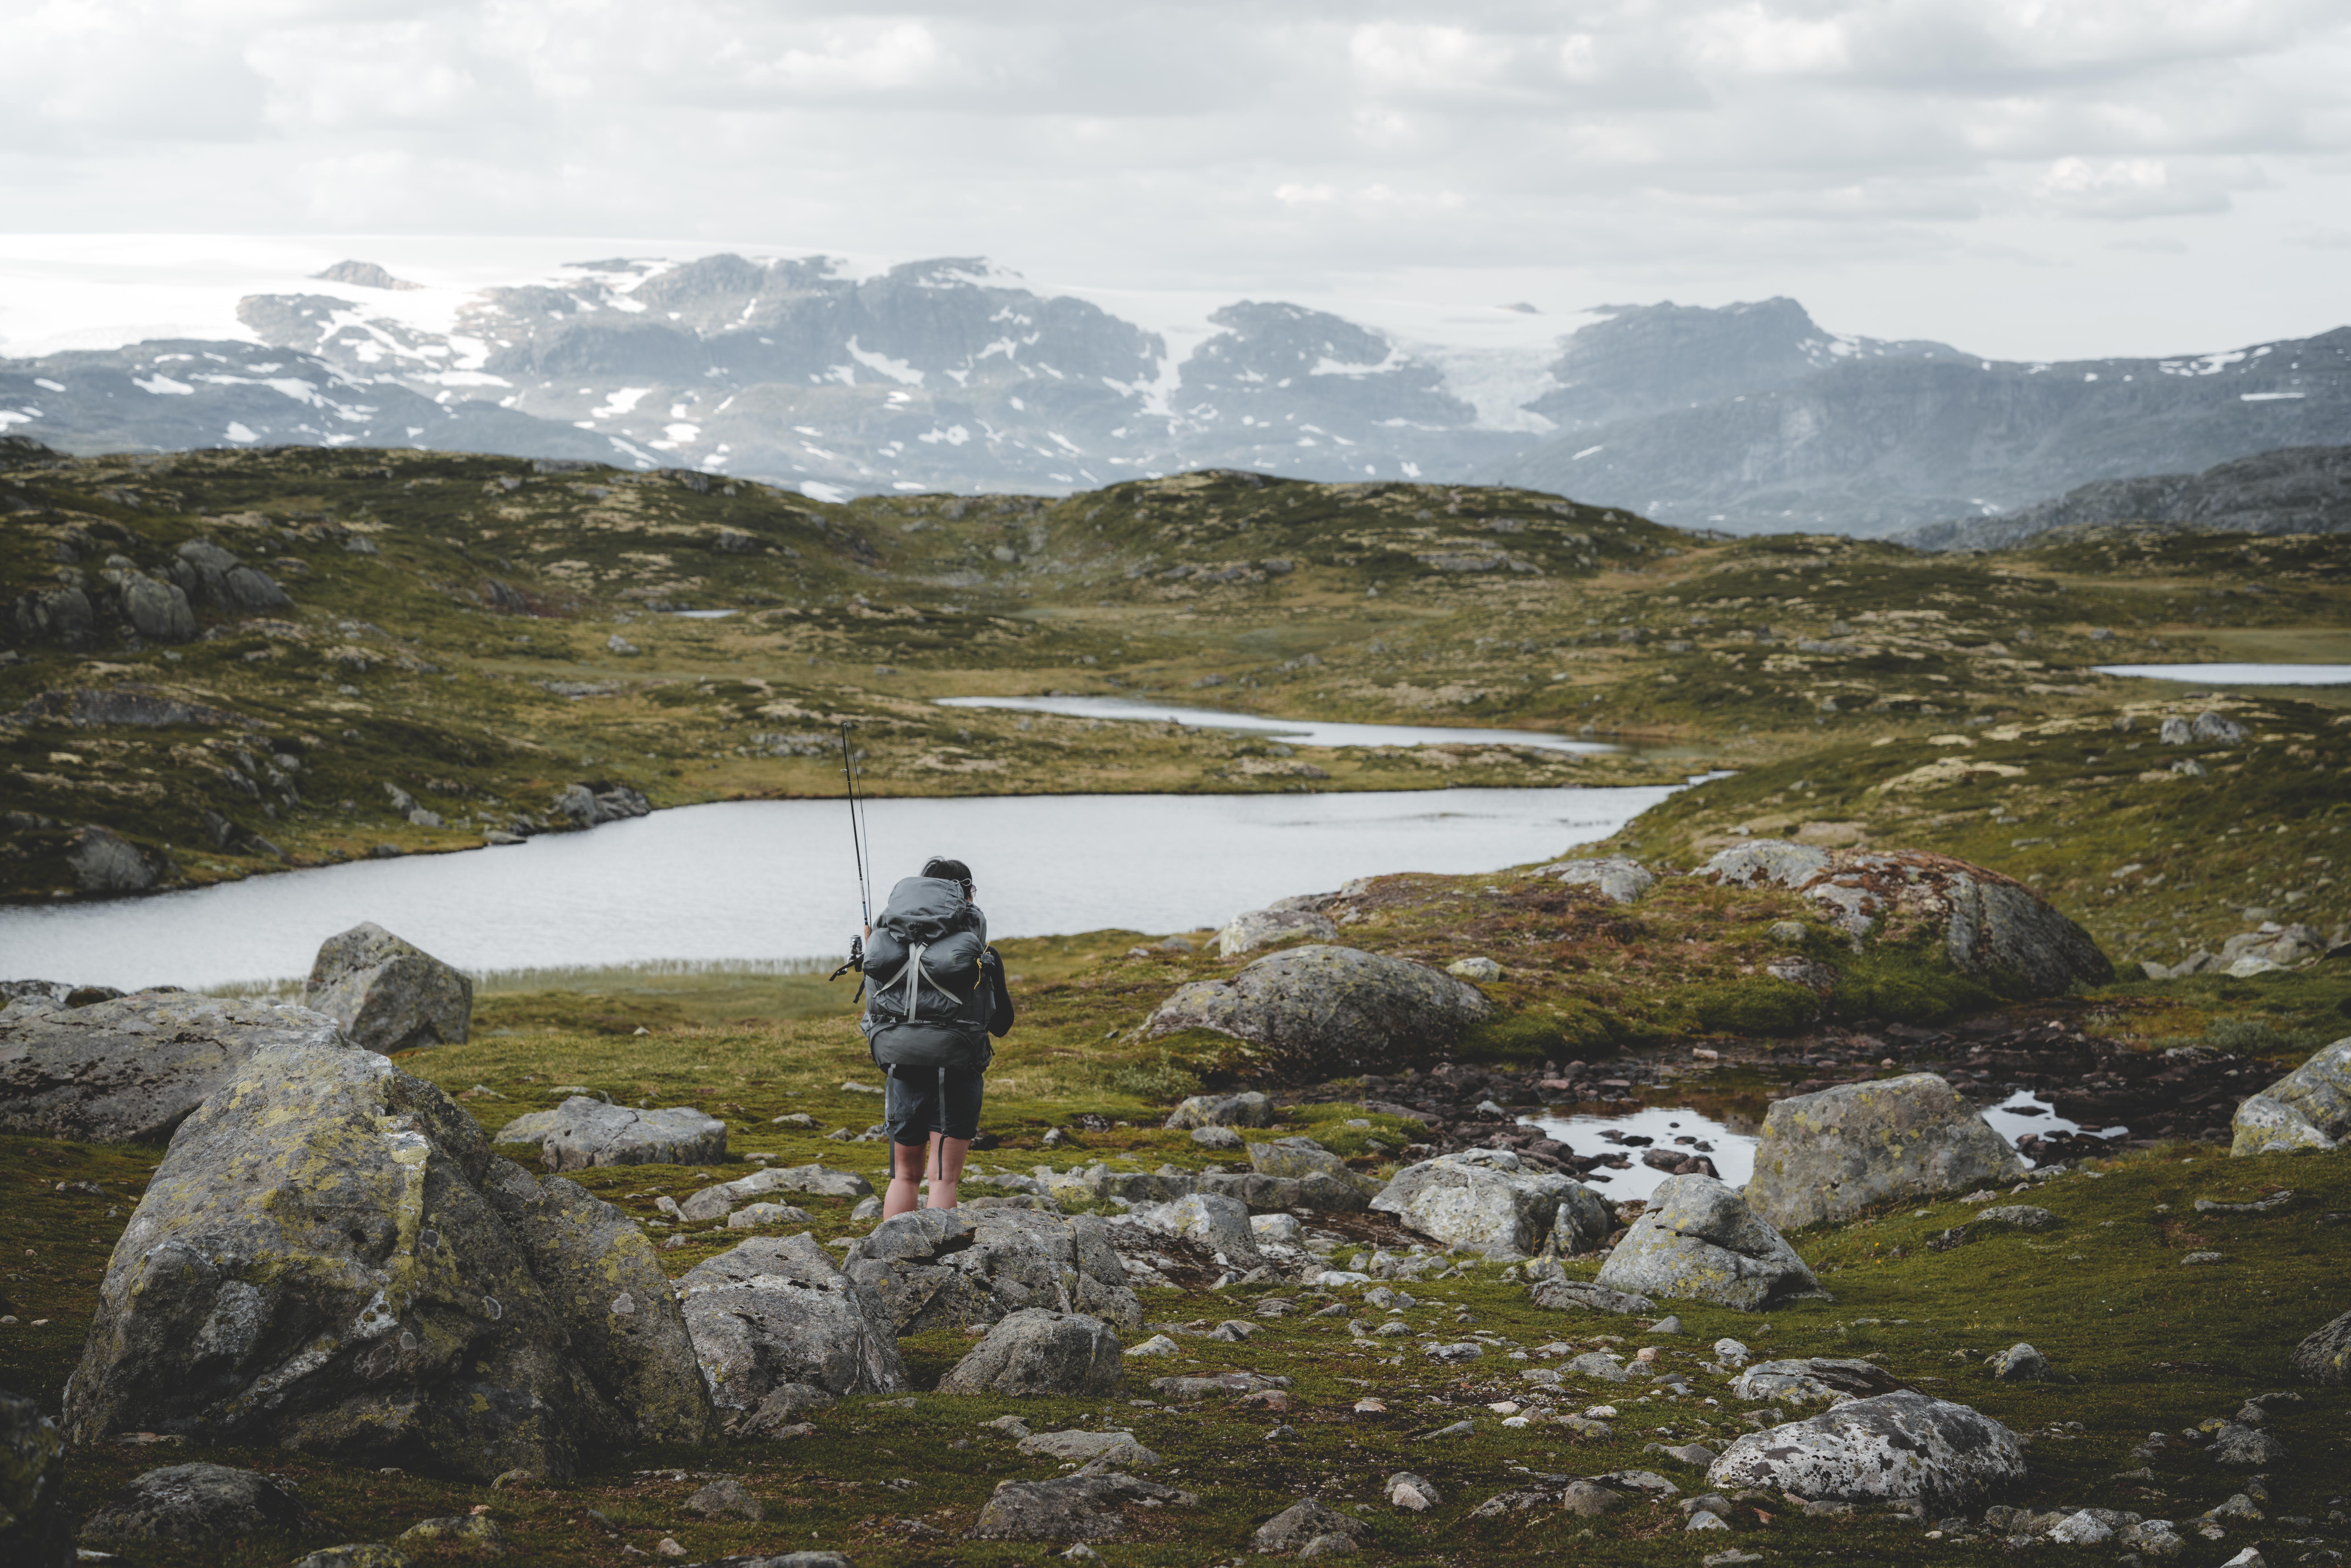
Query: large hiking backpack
(926, 1005)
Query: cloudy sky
(2021, 177)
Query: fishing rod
(858, 847)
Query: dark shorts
(921, 1101)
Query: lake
(1297, 731)
(766, 879)
(2238, 675)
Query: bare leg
(906, 1179)
(946, 1168)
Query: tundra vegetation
(463, 641)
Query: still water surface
(1298, 731)
(2239, 675)
(764, 879)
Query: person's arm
(999, 998)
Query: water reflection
(1299, 731)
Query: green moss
(1756, 1005)
(1916, 983)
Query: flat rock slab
(129, 1069)
(1582, 1296)
(1108, 1450)
(388, 995)
(1900, 1446)
(1831, 1155)
(1210, 1384)
(584, 1132)
(1075, 1507)
(196, 1505)
(1813, 1380)
(1698, 1242)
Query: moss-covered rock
(1319, 1010)
(1833, 1154)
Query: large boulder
(1831, 1155)
(2326, 1356)
(778, 1311)
(944, 1267)
(1988, 925)
(212, 577)
(1316, 1011)
(1617, 878)
(388, 994)
(1895, 1446)
(196, 1505)
(331, 1258)
(1219, 1224)
(584, 1132)
(2309, 1108)
(35, 1530)
(103, 860)
(134, 1067)
(1037, 1353)
(1264, 927)
(1697, 1241)
(1492, 1200)
(1073, 1508)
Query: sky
(2022, 178)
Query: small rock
(725, 1497)
(2019, 1363)
(1478, 969)
(1035, 1352)
(1666, 1325)
(1216, 1137)
(1304, 1522)
(1416, 1493)
(358, 1554)
(1074, 1508)
(476, 1531)
(2083, 1529)
(1705, 1518)
(2246, 1448)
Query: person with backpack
(935, 994)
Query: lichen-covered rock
(331, 1258)
(1617, 878)
(1299, 1158)
(582, 1132)
(1305, 1520)
(1074, 1508)
(130, 1067)
(1813, 1380)
(1987, 925)
(1831, 1155)
(195, 1505)
(34, 1528)
(358, 1554)
(714, 1202)
(1697, 1241)
(943, 1268)
(1584, 1296)
(1263, 1194)
(1105, 1450)
(1263, 927)
(778, 1311)
(2309, 1108)
(1034, 1352)
(1315, 1011)
(1249, 1110)
(2326, 1356)
(1221, 1224)
(103, 860)
(1902, 1445)
(1492, 1200)
(477, 1534)
(388, 995)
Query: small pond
(1296, 731)
(2238, 675)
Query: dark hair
(952, 871)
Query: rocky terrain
(356, 1313)
(950, 374)
(2297, 490)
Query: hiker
(934, 993)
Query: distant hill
(2296, 490)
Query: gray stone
(778, 1311)
(2214, 729)
(196, 1505)
(1217, 1138)
(2081, 1529)
(2023, 1215)
(2246, 1448)
(1813, 1380)
(1075, 1507)
(1418, 1493)
(1249, 1110)
(358, 1554)
(1584, 1499)
(1492, 1200)
(132, 1068)
(1894, 1445)
(726, 1497)
(1598, 1363)
(1698, 1242)
(584, 1132)
(35, 1530)
(2309, 1108)
(1037, 1353)
(759, 1214)
(1311, 1012)
(1831, 1155)
(1303, 1522)
(475, 1531)
(1264, 927)
(1478, 971)
(103, 860)
(1619, 880)
(1584, 1296)
(1988, 925)
(158, 611)
(1299, 1158)
(1271, 1195)
(330, 1259)
(785, 1404)
(944, 1267)
(1092, 1451)
(1220, 1224)
(2019, 1363)
(388, 994)
(2326, 1356)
